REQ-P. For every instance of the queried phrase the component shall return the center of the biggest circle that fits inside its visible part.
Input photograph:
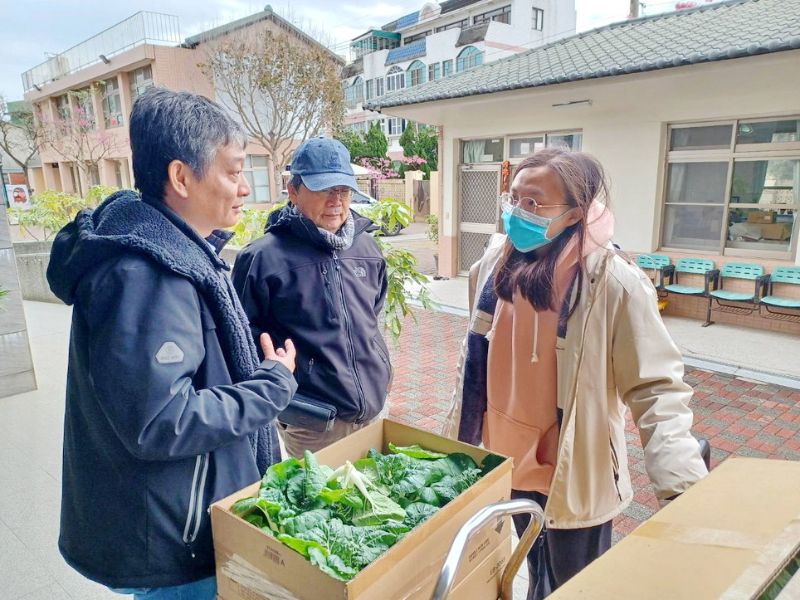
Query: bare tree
(19, 135)
(74, 136)
(283, 91)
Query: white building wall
(625, 126)
(501, 40)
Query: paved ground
(415, 238)
(738, 416)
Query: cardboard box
(761, 216)
(776, 231)
(727, 537)
(252, 565)
(483, 583)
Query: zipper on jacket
(362, 400)
(328, 293)
(615, 466)
(194, 513)
(556, 472)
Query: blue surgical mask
(526, 230)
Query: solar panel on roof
(407, 52)
(408, 20)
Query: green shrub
(401, 270)
(433, 228)
(51, 210)
(251, 226)
(401, 266)
(390, 214)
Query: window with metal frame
(482, 151)
(415, 75)
(502, 14)
(521, 146)
(63, 107)
(139, 80)
(538, 19)
(733, 188)
(395, 126)
(256, 172)
(469, 58)
(85, 109)
(395, 79)
(112, 103)
(434, 71)
(447, 68)
(354, 93)
(414, 38)
(462, 24)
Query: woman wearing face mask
(565, 335)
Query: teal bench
(690, 266)
(652, 265)
(781, 307)
(741, 303)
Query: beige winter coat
(616, 354)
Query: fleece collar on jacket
(287, 220)
(127, 224)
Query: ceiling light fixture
(586, 102)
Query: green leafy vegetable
(342, 520)
(415, 451)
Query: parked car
(360, 203)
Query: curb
(742, 373)
(698, 362)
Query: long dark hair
(533, 273)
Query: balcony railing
(141, 28)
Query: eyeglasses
(343, 193)
(528, 204)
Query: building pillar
(65, 173)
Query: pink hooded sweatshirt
(521, 419)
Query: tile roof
(407, 52)
(713, 32)
(266, 14)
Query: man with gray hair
(168, 407)
(318, 277)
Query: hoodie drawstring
(490, 334)
(534, 355)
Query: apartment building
(94, 85)
(440, 41)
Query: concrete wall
(16, 365)
(32, 261)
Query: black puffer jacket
(164, 391)
(292, 285)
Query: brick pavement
(739, 417)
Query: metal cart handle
(471, 527)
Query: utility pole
(634, 10)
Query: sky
(52, 26)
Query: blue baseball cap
(323, 163)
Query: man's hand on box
(285, 355)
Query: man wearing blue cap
(319, 278)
